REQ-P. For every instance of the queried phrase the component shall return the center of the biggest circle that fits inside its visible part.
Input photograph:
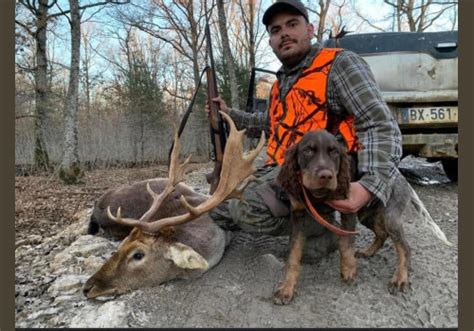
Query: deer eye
(138, 256)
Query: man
(334, 89)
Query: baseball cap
(282, 5)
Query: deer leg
(286, 289)
(346, 250)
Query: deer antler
(176, 175)
(237, 168)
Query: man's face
(290, 37)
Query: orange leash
(322, 221)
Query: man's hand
(222, 105)
(358, 198)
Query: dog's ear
(343, 176)
(290, 172)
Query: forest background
(101, 83)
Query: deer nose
(86, 288)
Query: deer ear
(185, 257)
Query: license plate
(422, 115)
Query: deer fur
(185, 251)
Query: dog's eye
(307, 152)
(334, 151)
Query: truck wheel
(450, 167)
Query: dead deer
(174, 240)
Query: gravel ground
(52, 263)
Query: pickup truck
(418, 76)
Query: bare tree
(398, 15)
(454, 18)
(228, 58)
(419, 14)
(70, 171)
(251, 38)
(180, 24)
(372, 23)
(321, 14)
(36, 26)
(337, 20)
(89, 78)
(175, 22)
(174, 83)
(248, 41)
(411, 15)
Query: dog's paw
(394, 288)
(398, 284)
(364, 253)
(348, 267)
(348, 275)
(284, 295)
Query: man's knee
(259, 210)
(250, 216)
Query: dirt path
(238, 291)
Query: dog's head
(320, 163)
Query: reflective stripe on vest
(305, 109)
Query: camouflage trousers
(265, 209)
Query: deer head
(158, 248)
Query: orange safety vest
(304, 109)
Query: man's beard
(294, 58)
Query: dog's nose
(324, 175)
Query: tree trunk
(421, 19)
(323, 11)
(142, 137)
(87, 81)
(410, 15)
(198, 139)
(41, 159)
(252, 46)
(399, 15)
(70, 171)
(228, 59)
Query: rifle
(218, 129)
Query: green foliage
(143, 93)
(223, 81)
(143, 105)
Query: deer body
(169, 233)
(202, 236)
(134, 201)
